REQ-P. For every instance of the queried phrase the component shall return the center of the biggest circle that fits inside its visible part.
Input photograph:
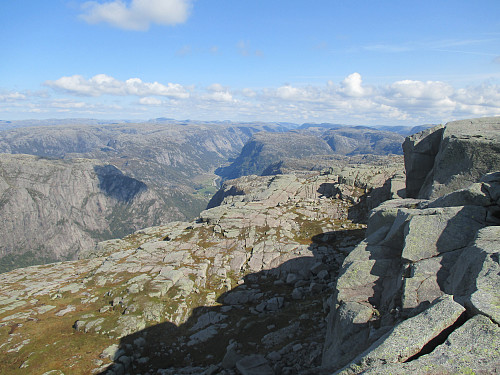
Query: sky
(371, 62)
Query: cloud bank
(103, 84)
(138, 14)
(349, 101)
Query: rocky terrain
(51, 214)
(57, 204)
(252, 274)
(419, 294)
(283, 276)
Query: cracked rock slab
(408, 337)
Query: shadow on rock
(272, 321)
(115, 184)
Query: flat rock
(409, 337)
(254, 365)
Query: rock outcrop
(441, 160)
(423, 285)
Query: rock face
(51, 209)
(428, 270)
(441, 160)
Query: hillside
(50, 209)
(59, 203)
(264, 151)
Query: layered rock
(426, 275)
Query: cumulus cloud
(137, 14)
(349, 100)
(102, 84)
(352, 85)
(11, 97)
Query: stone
(476, 274)
(402, 342)
(231, 356)
(434, 231)
(203, 335)
(113, 352)
(420, 151)
(473, 348)
(468, 150)
(254, 365)
(212, 317)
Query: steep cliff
(50, 209)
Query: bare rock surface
(172, 297)
(441, 160)
(428, 270)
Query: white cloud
(138, 14)
(148, 100)
(352, 85)
(67, 104)
(11, 97)
(433, 90)
(103, 84)
(349, 101)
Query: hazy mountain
(265, 153)
(264, 149)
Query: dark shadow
(266, 303)
(116, 185)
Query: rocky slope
(139, 175)
(50, 209)
(420, 294)
(249, 277)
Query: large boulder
(441, 160)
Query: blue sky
(353, 62)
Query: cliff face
(443, 159)
(419, 295)
(51, 209)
